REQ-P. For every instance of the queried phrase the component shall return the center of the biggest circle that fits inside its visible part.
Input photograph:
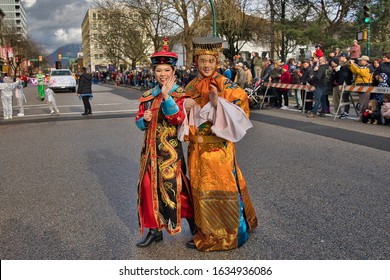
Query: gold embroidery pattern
(168, 165)
(147, 93)
(205, 130)
(164, 195)
(180, 92)
(217, 210)
(173, 142)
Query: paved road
(106, 100)
(68, 185)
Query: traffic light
(367, 14)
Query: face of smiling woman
(163, 72)
(207, 64)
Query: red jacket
(285, 79)
(319, 53)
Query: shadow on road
(35, 245)
(117, 181)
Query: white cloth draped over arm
(191, 119)
(229, 120)
(184, 127)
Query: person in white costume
(51, 100)
(7, 88)
(21, 98)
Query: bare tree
(236, 25)
(179, 20)
(304, 22)
(120, 36)
(19, 48)
(188, 15)
(380, 27)
(155, 18)
(281, 24)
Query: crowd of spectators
(142, 77)
(327, 72)
(136, 78)
(324, 71)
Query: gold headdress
(207, 45)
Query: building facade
(98, 55)
(2, 59)
(15, 16)
(93, 59)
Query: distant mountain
(68, 52)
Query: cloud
(55, 23)
(29, 3)
(68, 35)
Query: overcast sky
(55, 23)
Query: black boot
(90, 112)
(85, 113)
(191, 244)
(192, 225)
(153, 236)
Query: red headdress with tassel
(164, 56)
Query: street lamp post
(214, 18)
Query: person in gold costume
(217, 117)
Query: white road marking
(78, 113)
(72, 105)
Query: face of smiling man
(207, 64)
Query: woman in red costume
(163, 197)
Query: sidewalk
(328, 120)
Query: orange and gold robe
(163, 197)
(223, 210)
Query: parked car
(62, 79)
